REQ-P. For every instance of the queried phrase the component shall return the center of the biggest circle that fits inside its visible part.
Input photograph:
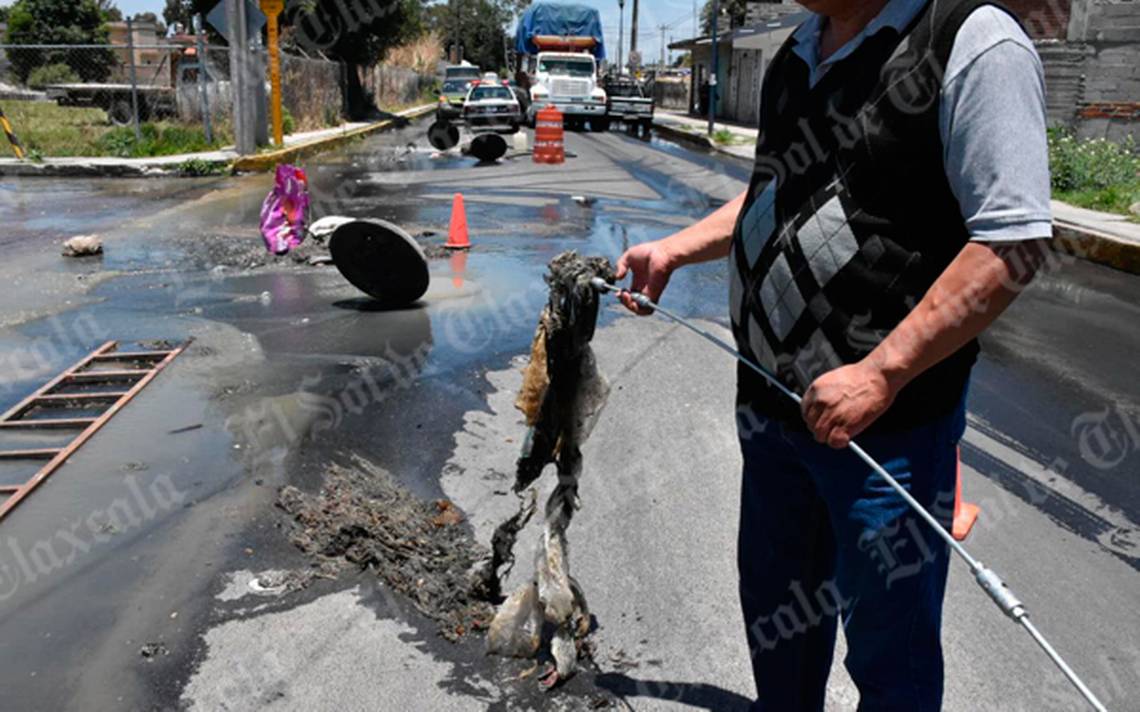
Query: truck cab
(569, 82)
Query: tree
(111, 13)
(480, 27)
(59, 22)
(356, 32)
(734, 10)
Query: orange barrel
(548, 136)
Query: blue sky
(677, 14)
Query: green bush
(41, 77)
(1091, 164)
(1094, 173)
(288, 123)
(196, 167)
(58, 22)
(157, 140)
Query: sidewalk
(296, 145)
(1106, 238)
(690, 128)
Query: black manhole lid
(488, 147)
(381, 260)
(442, 135)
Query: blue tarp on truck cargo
(563, 20)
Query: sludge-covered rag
(561, 396)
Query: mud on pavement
(363, 518)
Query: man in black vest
(897, 206)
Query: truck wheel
(120, 112)
(646, 128)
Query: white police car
(492, 106)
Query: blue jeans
(823, 537)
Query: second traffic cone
(965, 514)
(457, 238)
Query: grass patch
(196, 167)
(1094, 173)
(725, 137)
(47, 129)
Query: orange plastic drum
(548, 136)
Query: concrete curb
(220, 161)
(261, 162)
(98, 169)
(1096, 246)
(699, 140)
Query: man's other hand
(842, 403)
(651, 264)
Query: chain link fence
(159, 99)
(115, 100)
(395, 86)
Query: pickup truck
(154, 102)
(627, 103)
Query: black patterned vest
(849, 217)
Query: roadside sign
(273, 8)
(255, 20)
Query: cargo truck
(562, 44)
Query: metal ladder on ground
(76, 387)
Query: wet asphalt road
(147, 539)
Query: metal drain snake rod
(990, 582)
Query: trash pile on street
(362, 518)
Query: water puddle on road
(297, 375)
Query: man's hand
(652, 264)
(842, 403)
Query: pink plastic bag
(284, 211)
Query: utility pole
(458, 21)
(633, 29)
(715, 63)
(661, 62)
(244, 136)
(621, 33)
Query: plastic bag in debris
(593, 390)
(284, 211)
(516, 630)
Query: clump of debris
(83, 246)
(363, 518)
(562, 394)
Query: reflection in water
(458, 261)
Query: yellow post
(17, 147)
(273, 8)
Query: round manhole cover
(488, 147)
(443, 136)
(381, 260)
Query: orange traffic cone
(965, 514)
(457, 238)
